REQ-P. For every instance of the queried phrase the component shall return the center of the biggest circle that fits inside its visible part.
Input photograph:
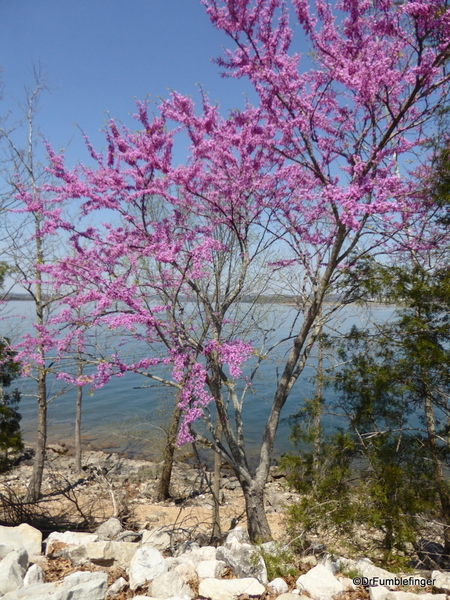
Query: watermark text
(393, 581)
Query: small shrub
(369, 506)
(280, 563)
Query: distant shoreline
(18, 298)
(280, 300)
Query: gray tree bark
(35, 484)
(78, 449)
(163, 487)
(34, 487)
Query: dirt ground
(111, 485)
(200, 517)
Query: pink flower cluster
(233, 353)
(318, 169)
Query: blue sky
(101, 54)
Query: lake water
(128, 416)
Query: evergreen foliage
(386, 470)
(10, 435)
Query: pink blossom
(318, 169)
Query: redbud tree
(316, 170)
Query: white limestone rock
(230, 589)
(363, 567)
(271, 547)
(187, 570)
(378, 592)
(441, 580)
(172, 562)
(116, 587)
(77, 554)
(383, 593)
(5, 549)
(335, 564)
(57, 543)
(245, 560)
(169, 585)
(238, 535)
(347, 583)
(186, 547)
(158, 537)
(278, 586)
(109, 529)
(12, 570)
(210, 568)
(38, 591)
(195, 556)
(366, 568)
(38, 559)
(320, 583)
(411, 596)
(308, 562)
(120, 553)
(146, 564)
(95, 552)
(94, 589)
(85, 585)
(206, 553)
(22, 536)
(34, 575)
(104, 553)
(84, 576)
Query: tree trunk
(257, 524)
(163, 487)
(318, 407)
(216, 484)
(34, 487)
(293, 368)
(215, 385)
(443, 491)
(78, 425)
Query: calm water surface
(128, 416)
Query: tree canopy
(316, 172)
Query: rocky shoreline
(98, 535)
(114, 485)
